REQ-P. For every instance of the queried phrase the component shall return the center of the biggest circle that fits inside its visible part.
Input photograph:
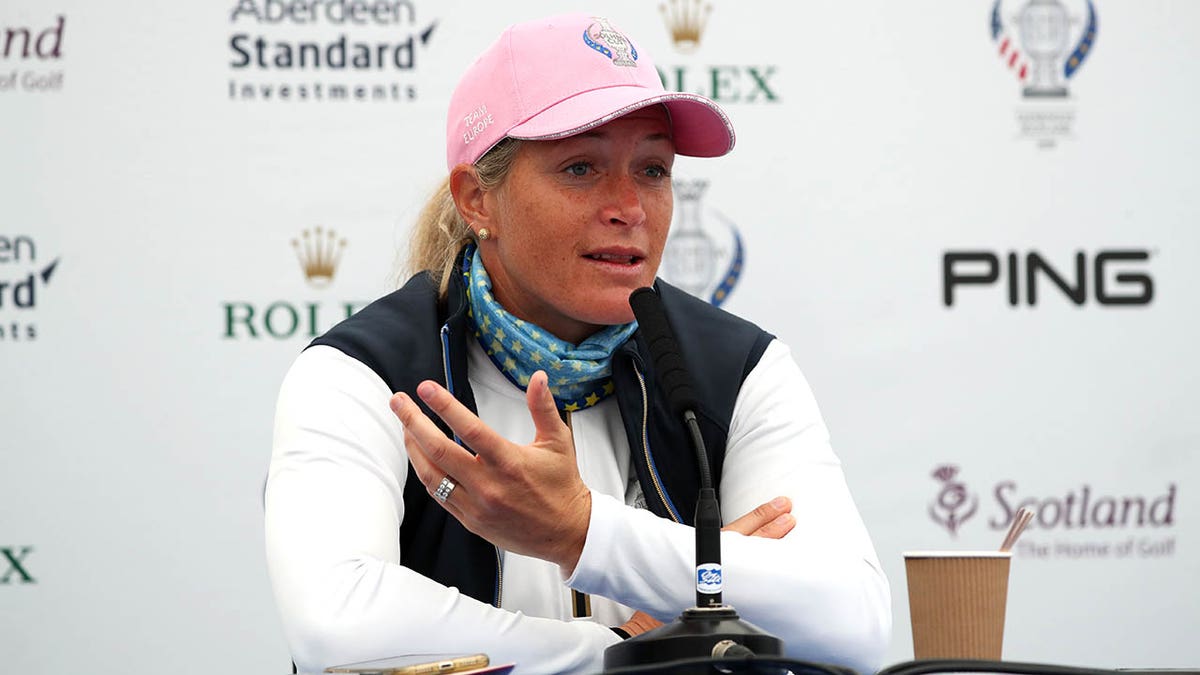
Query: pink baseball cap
(562, 75)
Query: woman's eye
(579, 169)
(658, 171)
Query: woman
(431, 527)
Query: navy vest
(409, 336)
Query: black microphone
(664, 351)
(710, 629)
(676, 383)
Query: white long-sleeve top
(335, 501)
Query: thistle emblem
(954, 505)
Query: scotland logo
(704, 254)
(1046, 50)
(610, 42)
(954, 504)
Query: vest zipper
(445, 335)
(446, 366)
(581, 603)
(499, 578)
(662, 495)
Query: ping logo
(1111, 277)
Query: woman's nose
(623, 201)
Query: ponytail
(441, 232)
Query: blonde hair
(441, 232)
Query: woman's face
(580, 223)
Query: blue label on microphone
(708, 578)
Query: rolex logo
(685, 20)
(319, 251)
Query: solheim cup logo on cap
(326, 50)
(686, 22)
(31, 52)
(609, 41)
(318, 252)
(1075, 520)
(704, 254)
(23, 281)
(1043, 44)
(954, 504)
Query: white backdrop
(151, 193)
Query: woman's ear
(468, 197)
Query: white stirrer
(1019, 522)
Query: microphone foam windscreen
(673, 376)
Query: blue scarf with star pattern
(580, 375)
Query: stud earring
(483, 234)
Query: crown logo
(319, 251)
(686, 20)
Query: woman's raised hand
(528, 499)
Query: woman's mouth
(614, 258)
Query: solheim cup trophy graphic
(704, 255)
(1044, 30)
(692, 255)
(1042, 27)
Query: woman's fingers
(528, 499)
(442, 452)
(429, 474)
(772, 520)
(542, 408)
(475, 434)
(639, 623)
(776, 529)
(431, 477)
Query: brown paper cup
(956, 600)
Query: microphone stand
(711, 629)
